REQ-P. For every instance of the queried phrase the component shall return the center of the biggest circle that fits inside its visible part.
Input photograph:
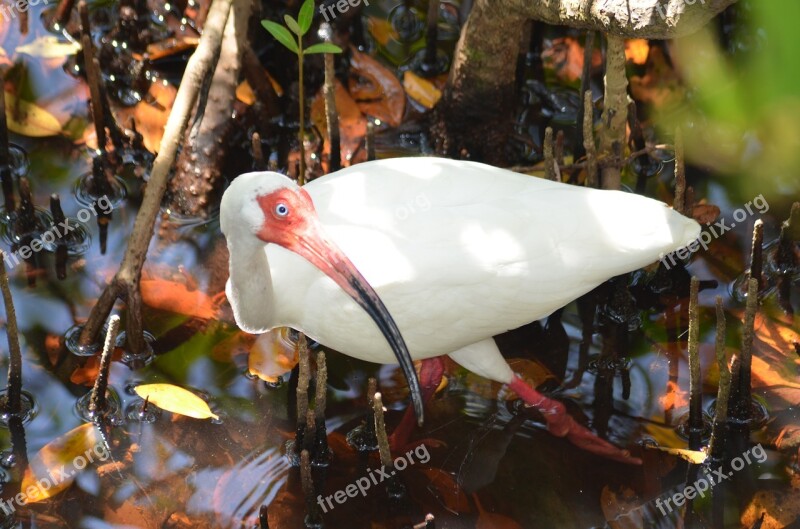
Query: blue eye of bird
(281, 210)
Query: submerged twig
(380, 430)
(742, 403)
(586, 86)
(430, 62)
(679, 202)
(756, 253)
(786, 259)
(5, 156)
(547, 149)
(303, 378)
(61, 247)
(259, 163)
(98, 403)
(370, 140)
(695, 395)
(719, 426)
(126, 281)
(331, 114)
(321, 453)
(612, 138)
(588, 140)
(307, 482)
(12, 401)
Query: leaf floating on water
(272, 355)
(49, 47)
(30, 120)
(55, 466)
(696, 457)
(176, 400)
(421, 90)
(621, 509)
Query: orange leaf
(376, 89)
(56, 465)
(272, 355)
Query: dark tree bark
(473, 118)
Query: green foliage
(323, 47)
(740, 116)
(299, 27)
(283, 35)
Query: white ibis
(414, 258)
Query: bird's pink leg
(430, 376)
(561, 424)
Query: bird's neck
(250, 287)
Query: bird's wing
(478, 250)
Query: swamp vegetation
(132, 398)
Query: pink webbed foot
(561, 424)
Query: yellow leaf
(49, 47)
(56, 465)
(245, 94)
(421, 90)
(695, 457)
(176, 400)
(30, 120)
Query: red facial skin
(300, 231)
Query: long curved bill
(325, 255)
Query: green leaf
(281, 34)
(291, 23)
(323, 47)
(305, 16)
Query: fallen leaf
(55, 466)
(245, 94)
(30, 120)
(421, 90)
(637, 50)
(621, 510)
(171, 46)
(49, 47)
(381, 30)
(352, 123)
(376, 90)
(779, 509)
(151, 114)
(695, 457)
(176, 297)
(272, 355)
(176, 400)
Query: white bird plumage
(458, 251)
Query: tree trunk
(198, 175)
(480, 92)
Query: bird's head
(269, 208)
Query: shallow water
(491, 464)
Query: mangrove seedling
(294, 43)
